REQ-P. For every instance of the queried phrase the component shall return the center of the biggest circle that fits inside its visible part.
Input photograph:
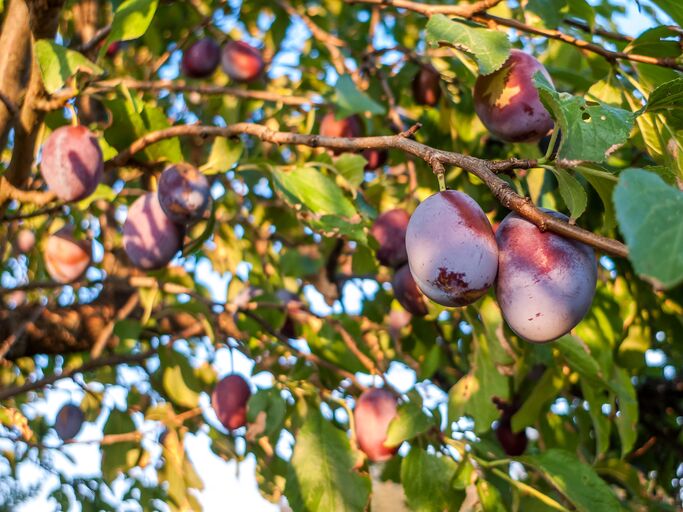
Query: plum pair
(240, 61)
(544, 282)
(153, 231)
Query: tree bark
(43, 21)
(15, 60)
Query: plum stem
(442, 181)
(551, 146)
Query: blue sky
(222, 480)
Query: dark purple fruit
(201, 59)
(426, 86)
(389, 229)
(72, 163)
(69, 422)
(351, 126)
(66, 258)
(507, 102)
(407, 293)
(184, 193)
(241, 61)
(376, 158)
(452, 251)
(25, 241)
(545, 282)
(150, 238)
(374, 411)
(229, 401)
(513, 443)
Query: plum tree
(72, 163)
(241, 61)
(351, 126)
(389, 229)
(376, 158)
(545, 282)
(374, 410)
(184, 193)
(452, 251)
(69, 421)
(426, 86)
(66, 258)
(229, 401)
(201, 59)
(507, 102)
(25, 241)
(407, 293)
(150, 238)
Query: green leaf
(131, 20)
(582, 9)
(314, 190)
(627, 401)
(577, 481)
(121, 456)
(322, 469)
(131, 121)
(178, 378)
(673, 8)
(224, 154)
(334, 226)
(590, 131)
(667, 96)
(596, 396)
(101, 192)
(471, 395)
(549, 12)
(544, 392)
(410, 421)
(351, 167)
(490, 48)
(579, 358)
(167, 149)
(649, 213)
(572, 192)
(270, 403)
(128, 331)
(603, 183)
(427, 481)
(349, 100)
(57, 64)
(489, 497)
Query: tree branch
(181, 86)
(93, 364)
(462, 11)
(483, 169)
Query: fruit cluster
(72, 167)
(240, 61)
(445, 251)
(544, 282)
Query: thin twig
(19, 333)
(108, 329)
(480, 16)
(93, 364)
